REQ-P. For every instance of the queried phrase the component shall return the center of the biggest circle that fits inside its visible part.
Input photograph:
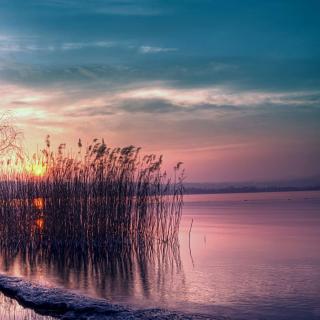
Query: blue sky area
(232, 88)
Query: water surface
(11, 310)
(249, 256)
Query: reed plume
(89, 198)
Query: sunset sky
(231, 88)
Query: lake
(247, 256)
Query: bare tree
(9, 135)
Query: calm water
(251, 256)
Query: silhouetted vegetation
(9, 135)
(90, 198)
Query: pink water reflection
(252, 249)
(252, 255)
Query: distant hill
(305, 184)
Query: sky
(231, 88)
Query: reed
(88, 198)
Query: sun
(37, 169)
(30, 167)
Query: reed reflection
(39, 247)
(113, 269)
(11, 310)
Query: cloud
(148, 106)
(149, 49)
(122, 66)
(108, 7)
(27, 103)
(219, 96)
(90, 111)
(30, 113)
(209, 111)
(147, 98)
(129, 10)
(13, 44)
(81, 45)
(25, 44)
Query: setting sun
(37, 169)
(30, 167)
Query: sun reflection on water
(38, 203)
(39, 223)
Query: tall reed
(89, 198)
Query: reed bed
(88, 198)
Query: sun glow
(39, 223)
(38, 203)
(32, 168)
(37, 169)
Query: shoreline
(209, 191)
(62, 304)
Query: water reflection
(255, 257)
(37, 246)
(38, 203)
(115, 269)
(11, 310)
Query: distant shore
(247, 189)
